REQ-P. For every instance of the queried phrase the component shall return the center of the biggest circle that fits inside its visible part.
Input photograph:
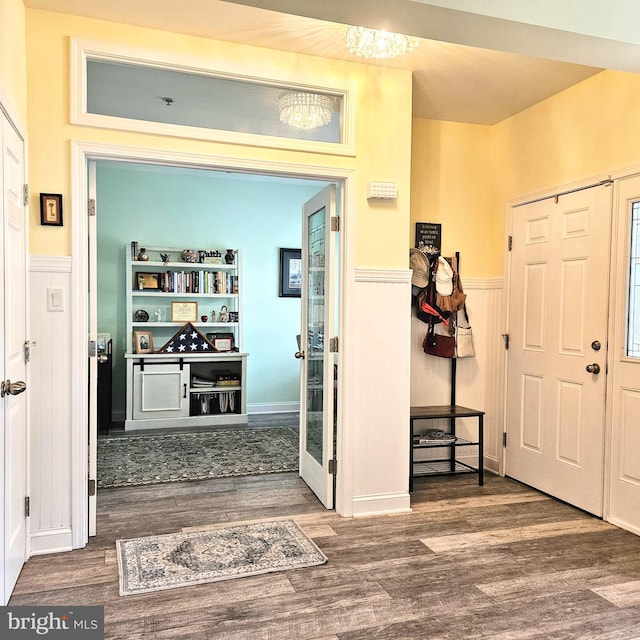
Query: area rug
(163, 562)
(133, 460)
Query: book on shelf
(199, 281)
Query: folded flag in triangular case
(188, 340)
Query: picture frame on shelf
(184, 312)
(222, 341)
(290, 273)
(51, 209)
(148, 280)
(143, 341)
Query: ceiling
(450, 81)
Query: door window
(633, 308)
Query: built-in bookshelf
(171, 289)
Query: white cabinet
(160, 391)
(184, 388)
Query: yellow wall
(450, 185)
(464, 175)
(587, 130)
(383, 131)
(13, 66)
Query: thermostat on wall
(382, 191)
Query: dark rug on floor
(150, 459)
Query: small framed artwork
(290, 273)
(184, 312)
(221, 341)
(143, 341)
(51, 209)
(148, 280)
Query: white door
(317, 415)
(624, 478)
(557, 356)
(13, 337)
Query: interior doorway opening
(316, 175)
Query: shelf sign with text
(429, 237)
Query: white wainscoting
(479, 379)
(378, 412)
(50, 405)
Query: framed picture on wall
(290, 273)
(51, 209)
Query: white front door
(624, 477)
(557, 356)
(13, 336)
(317, 402)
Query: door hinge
(333, 467)
(333, 345)
(92, 487)
(504, 439)
(27, 507)
(335, 223)
(93, 352)
(91, 207)
(505, 337)
(510, 243)
(25, 191)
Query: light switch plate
(55, 299)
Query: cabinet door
(160, 391)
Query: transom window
(125, 90)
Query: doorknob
(593, 368)
(102, 358)
(8, 388)
(299, 354)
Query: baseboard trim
(623, 525)
(273, 407)
(52, 541)
(381, 504)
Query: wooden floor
(499, 561)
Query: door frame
(81, 154)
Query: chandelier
(373, 43)
(305, 110)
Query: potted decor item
(189, 256)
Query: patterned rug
(162, 562)
(151, 459)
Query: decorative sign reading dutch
(429, 238)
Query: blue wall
(198, 209)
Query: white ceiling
(451, 81)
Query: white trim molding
(81, 153)
(83, 50)
(52, 264)
(259, 408)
